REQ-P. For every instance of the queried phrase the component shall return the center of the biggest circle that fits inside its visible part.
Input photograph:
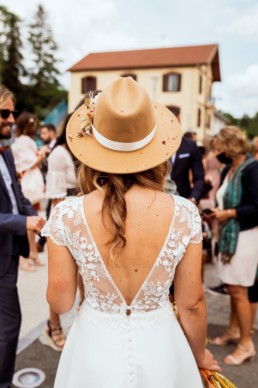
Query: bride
(129, 241)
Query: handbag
(214, 379)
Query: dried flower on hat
(85, 128)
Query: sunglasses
(5, 113)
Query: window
(175, 110)
(132, 75)
(88, 84)
(199, 117)
(171, 82)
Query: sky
(84, 26)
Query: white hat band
(121, 146)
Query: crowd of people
(102, 244)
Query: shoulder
(252, 167)
(56, 151)
(72, 203)
(181, 202)
(25, 140)
(188, 214)
(188, 144)
(59, 151)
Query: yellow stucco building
(179, 77)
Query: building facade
(180, 78)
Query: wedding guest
(61, 181)
(238, 214)
(27, 159)
(129, 240)
(17, 217)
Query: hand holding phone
(207, 211)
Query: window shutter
(165, 82)
(179, 82)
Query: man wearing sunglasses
(16, 217)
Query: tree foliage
(246, 123)
(10, 48)
(44, 50)
(41, 90)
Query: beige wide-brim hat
(122, 131)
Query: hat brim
(164, 144)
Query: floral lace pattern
(68, 227)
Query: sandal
(241, 355)
(226, 338)
(26, 265)
(53, 336)
(36, 260)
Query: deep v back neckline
(97, 252)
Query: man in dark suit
(16, 217)
(188, 159)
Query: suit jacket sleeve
(16, 223)
(198, 173)
(13, 223)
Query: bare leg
(232, 333)
(245, 349)
(233, 322)
(243, 312)
(33, 249)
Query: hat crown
(124, 112)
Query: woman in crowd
(61, 181)
(129, 240)
(238, 214)
(212, 168)
(27, 159)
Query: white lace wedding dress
(111, 344)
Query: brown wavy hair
(26, 124)
(6, 94)
(116, 186)
(233, 141)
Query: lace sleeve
(196, 227)
(54, 228)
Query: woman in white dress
(129, 240)
(237, 213)
(61, 181)
(61, 178)
(27, 159)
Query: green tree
(246, 123)
(44, 71)
(11, 58)
(45, 88)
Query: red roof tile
(152, 58)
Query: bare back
(149, 216)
